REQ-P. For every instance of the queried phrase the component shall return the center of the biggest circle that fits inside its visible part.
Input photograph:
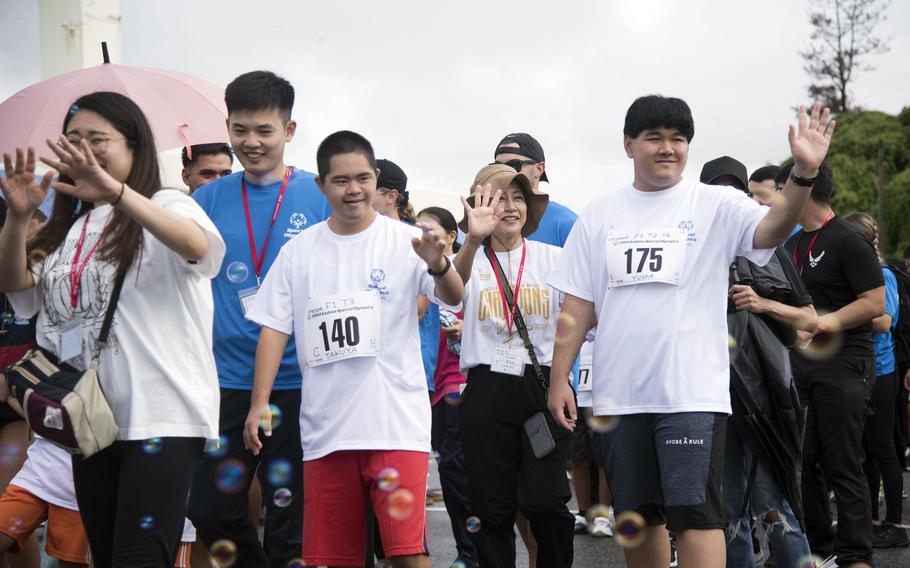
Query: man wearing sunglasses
(525, 154)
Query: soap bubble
(224, 553)
(279, 472)
(401, 504)
(388, 479)
(146, 522)
(221, 450)
(237, 272)
(283, 497)
(565, 327)
(472, 525)
(630, 529)
(151, 446)
(599, 424)
(230, 476)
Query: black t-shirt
(840, 266)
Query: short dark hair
(764, 173)
(205, 150)
(446, 221)
(822, 189)
(260, 90)
(656, 111)
(342, 142)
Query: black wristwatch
(444, 270)
(803, 182)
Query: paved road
(600, 552)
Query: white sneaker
(602, 527)
(581, 524)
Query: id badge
(509, 360)
(246, 299)
(69, 344)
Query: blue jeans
(785, 537)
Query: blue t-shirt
(429, 343)
(555, 225)
(882, 340)
(234, 337)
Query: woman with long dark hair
(112, 218)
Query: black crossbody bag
(536, 427)
(63, 404)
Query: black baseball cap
(726, 166)
(528, 147)
(391, 176)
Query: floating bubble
(16, 525)
(224, 553)
(401, 504)
(731, 346)
(275, 413)
(151, 446)
(630, 529)
(565, 327)
(230, 476)
(472, 525)
(280, 472)
(388, 479)
(10, 453)
(810, 561)
(594, 513)
(297, 563)
(237, 272)
(146, 522)
(458, 564)
(824, 344)
(434, 456)
(221, 450)
(283, 497)
(453, 398)
(599, 424)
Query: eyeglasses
(517, 164)
(98, 144)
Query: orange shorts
(336, 489)
(183, 555)
(21, 513)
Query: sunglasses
(517, 164)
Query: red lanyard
(509, 314)
(812, 242)
(77, 269)
(258, 260)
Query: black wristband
(119, 195)
(801, 181)
(444, 270)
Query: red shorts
(336, 488)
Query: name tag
(584, 377)
(70, 342)
(649, 255)
(246, 299)
(510, 359)
(343, 326)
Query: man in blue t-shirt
(525, 154)
(256, 211)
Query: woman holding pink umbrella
(112, 219)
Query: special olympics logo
(298, 220)
(687, 226)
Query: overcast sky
(435, 85)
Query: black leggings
(881, 455)
(133, 501)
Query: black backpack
(901, 332)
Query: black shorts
(668, 467)
(583, 443)
(8, 415)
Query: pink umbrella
(182, 109)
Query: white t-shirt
(484, 314)
(660, 347)
(158, 372)
(586, 376)
(361, 403)
(48, 475)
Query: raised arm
(808, 146)
(23, 195)
(93, 183)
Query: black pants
(836, 393)
(901, 437)
(505, 477)
(224, 515)
(453, 476)
(881, 456)
(133, 501)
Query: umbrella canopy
(182, 109)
